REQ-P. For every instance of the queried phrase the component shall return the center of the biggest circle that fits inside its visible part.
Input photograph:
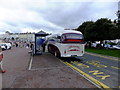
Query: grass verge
(107, 52)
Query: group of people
(22, 44)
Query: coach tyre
(57, 53)
(49, 48)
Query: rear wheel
(49, 49)
(57, 53)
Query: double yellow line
(89, 77)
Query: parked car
(108, 46)
(116, 47)
(3, 46)
(93, 44)
(8, 45)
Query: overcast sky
(18, 16)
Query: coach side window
(58, 37)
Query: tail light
(73, 41)
(65, 51)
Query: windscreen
(72, 38)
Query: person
(16, 44)
(1, 57)
(31, 45)
(40, 43)
(27, 45)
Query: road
(47, 71)
(102, 70)
(15, 62)
(40, 71)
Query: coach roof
(69, 31)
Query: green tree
(102, 29)
(87, 29)
(106, 29)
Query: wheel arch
(52, 49)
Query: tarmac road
(102, 70)
(15, 63)
(45, 71)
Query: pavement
(44, 71)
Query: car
(108, 46)
(116, 47)
(8, 45)
(3, 46)
(94, 45)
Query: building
(24, 37)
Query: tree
(102, 29)
(106, 29)
(87, 28)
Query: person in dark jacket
(31, 45)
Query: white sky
(52, 15)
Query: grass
(107, 52)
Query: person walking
(27, 45)
(40, 43)
(1, 57)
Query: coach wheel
(49, 50)
(57, 53)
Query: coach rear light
(65, 51)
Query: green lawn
(108, 52)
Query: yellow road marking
(115, 67)
(116, 59)
(96, 63)
(95, 72)
(103, 77)
(91, 78)
(80, 64)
